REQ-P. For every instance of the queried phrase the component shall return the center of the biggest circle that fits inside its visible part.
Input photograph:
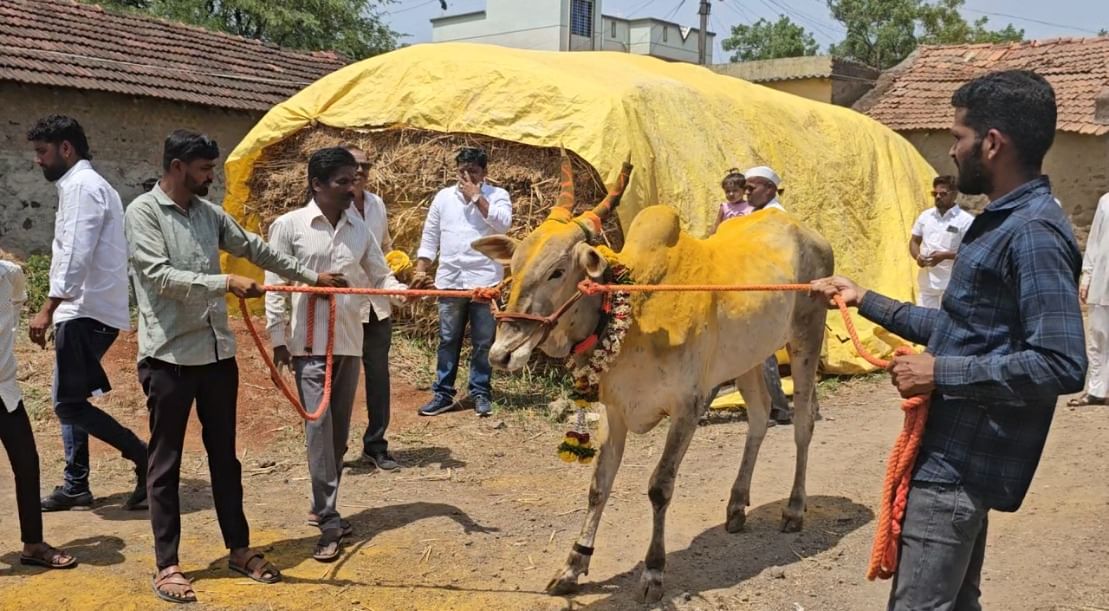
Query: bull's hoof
(650, 586)
(736, 521)
(792, 523)
(562, 584)
(566, 580)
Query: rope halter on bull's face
(590, 223)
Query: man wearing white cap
(763, 187)
(762, 192)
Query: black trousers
(170, 391)
(19, 443)
(377, 336)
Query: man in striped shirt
(325, 236)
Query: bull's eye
(555, 275)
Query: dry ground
(484, 514)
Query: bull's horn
(566, 193)
(612, 200)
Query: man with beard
(86, 307)
(1006, 342)
(937, 234)
(326, 234)
(187, 350)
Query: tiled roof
(917, 94)
(65, 44)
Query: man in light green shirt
(187, 350)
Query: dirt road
(484, 514)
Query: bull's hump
(655, 226)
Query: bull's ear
(591, 260)
(497, 247)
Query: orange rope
(899, 467)
(895, 489)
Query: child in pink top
(733, 185)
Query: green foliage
(881, 33)
(354, 28)
(769, 40)
(37, 272)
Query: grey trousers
(327, 437)
(943, 545)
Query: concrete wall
(818, 77)
(851, 81)
(618, 40)
(543, 26)
(1076, 165)
(664, 40)
(817, 88)
(125, 135)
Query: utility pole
(702, 39)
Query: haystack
(847, 176)
(409, 167)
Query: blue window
(581, 18)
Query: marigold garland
(586, 370)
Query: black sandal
(329, 547)
(263, 572)
(49, 557)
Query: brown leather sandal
(173, 577)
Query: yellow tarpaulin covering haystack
(847, 176)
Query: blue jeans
(454, 313)
(79, 345)
(943, 544)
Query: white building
(569, 25)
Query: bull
(679, 346)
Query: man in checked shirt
(1006, 343)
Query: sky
(1038, 18)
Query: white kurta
(1095, 278)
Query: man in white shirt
(1093, 290)
(326, 236)
(937, 234)
(763, 186)
(459, 215)
(87, 307)
(15, 429)
(377, 326)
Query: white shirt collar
(68, 176)
(316, 213)
(951, 212)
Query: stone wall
(1077, 166)
(125, 135)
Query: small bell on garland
(576, 445)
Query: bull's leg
(808, 328)
(682, 427)
(608, 463)
(753, 386)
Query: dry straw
(409, 167)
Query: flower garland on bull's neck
(591, 358)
